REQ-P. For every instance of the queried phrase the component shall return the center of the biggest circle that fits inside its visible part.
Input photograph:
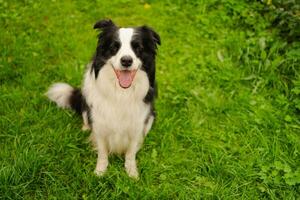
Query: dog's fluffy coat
(116, 100)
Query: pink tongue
(125, 78)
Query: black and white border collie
(117, 95)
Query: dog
(116, 99)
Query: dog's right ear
(103, 24)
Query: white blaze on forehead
(125, 35)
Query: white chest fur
(118, 115)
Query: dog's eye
(115, 46)
(137, 46)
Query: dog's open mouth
(125, 77)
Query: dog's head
(126, 50)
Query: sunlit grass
(222, 131)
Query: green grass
(226, 126)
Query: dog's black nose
(126, 61)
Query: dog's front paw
(133, 173)
(99, 172)
(85, 127)
(131, 169)
(101, 167)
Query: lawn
(227, 125)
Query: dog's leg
(85, 125)
(130, 159)
(102, 160)
(148, 125)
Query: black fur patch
(144, 44)
(108, 44)
(149, 96)
(77, 101)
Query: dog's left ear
(103, 24)
(155, 37)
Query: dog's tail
(65, 96)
